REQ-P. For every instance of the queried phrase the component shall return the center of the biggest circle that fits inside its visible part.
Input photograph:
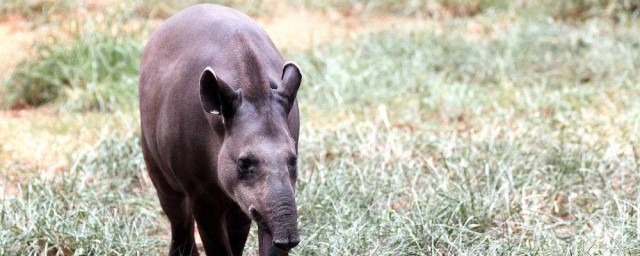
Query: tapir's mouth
(262, 222)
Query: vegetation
(498, 131)
(99, 206)
(92, 67)
(37, 10)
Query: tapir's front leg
(211, 226)
(266, 244)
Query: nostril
(282, 244)
(286, 244)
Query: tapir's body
(187, 115)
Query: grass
(489, 135)
(92, 67)
(581, 9)
(106, 196)
(448, 145)
(45, 11)
(38, 10)
(84, 76)
(46, 138)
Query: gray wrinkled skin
(220, 128)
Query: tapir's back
(175, 130)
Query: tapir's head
(257, 163)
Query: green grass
(521, 141)
(37, 10)
(164, 9)
(90, 68)
(437, 144)
(581, 9)
(101, 206)
(96, 73)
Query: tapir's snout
(279, 220)
(284, 224)
(285, 235)
(283, 230)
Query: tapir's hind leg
(175, 205)
(238, 226)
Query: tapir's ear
(216, 96)
(291, 79)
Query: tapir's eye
(293, 166)
(246, 167)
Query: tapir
(219, 131)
